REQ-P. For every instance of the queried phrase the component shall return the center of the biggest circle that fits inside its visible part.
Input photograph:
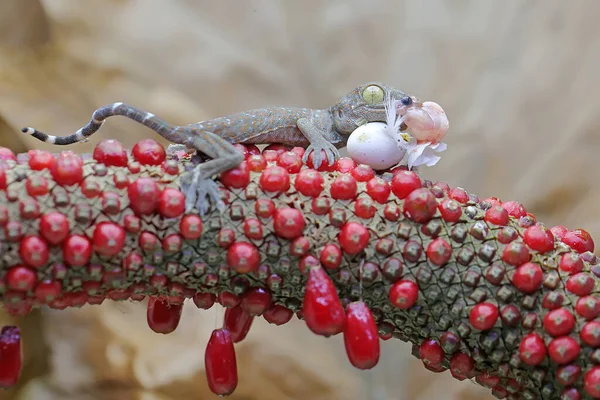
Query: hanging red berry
(322, 309)
(361, 337)
(220, 363)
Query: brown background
(518, 78)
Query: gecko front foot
(200, 192)
(331, 153)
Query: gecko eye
(373, 94)
(340, 113)
(406, 100)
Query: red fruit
(591, 382)
(256, 163)
(11, 356)
(539, 238)
(404, 294)
(40, 159)
(364, 208)
(256, 301)
(590, 333)
(54, 227)
(322, 309)
(290, 161)
(563, 350)
(528, 278)
(559, 232)
(309, 183)
(568, 374)
(420, 205)
(459, 194)
(144, 196)
(379, 190)
(362, 173)
(36, 186)
(462, 366)
(190, 227)
(163, 317)
(243, 257)
(228, 299)
(579, 240)
(353, 238)
(344, 187)
(532, 349)
(571, 263)
(47, 291)
(111, 153)
(3, 183)
(109, 239)
(580, 284)
(559, 322)
(20, 278)
(483, 316)
(220, 363)
(516, 254)
(404, 183)
(237, 322)
(345, 165)
(439, 252)
(204, 300)
(331, 256)
(278, 315)
(299, 246)
(77, 250)
(274, 179)
(496, 215)
(264, 208)
(588, 307)
(149, 152)
(288, 222)
(171, 203)
(431, 353)
(34, 251)
(253, 229)
(237, 178)
(361, 337)
(515, 209)
(67, 169)
(324, 167)
(450, 210)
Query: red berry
(362, 173)
(324, 167)
(11, 355)
(171, 203)
(559, 232)
(109, 239)
(568, 374)
(483, 316)
(528, 278)
(345, 165)
(149, 152)
(353, 238)
(344, 187)
(288, 222)
(290, 161)
(190, 227)
(20, 278)
(571, 263)
(404, 183)
(580, 284)
(590, 333)
(278, 315)
(243, 257)
(439, 252)
(299, 246)
(163, 317)
(256, 163)
(431, 353)
(579, 240)
(264, 208)
(309, 183)
(404, 294)
(256, 301)
(496, 215)
(420, 205)
(588, 307)
(36, 186)
(563, 350)
(77, 250)
(459, 194)
(111, 153)
(591, 382)
(3, 183)
(539, 238)
(450, 210)
(379, 190)
(516, 254)
(361, 337)
(559, 322)
(331, 256)
(144, 196)
(228, 299)
(220, 363)
(462, 366)
(532, 349)
(274, 179)
(204, 300)
(237, 178)
(67, 169)
(515, 209)
(253, 229)
(47, 290)
(238, 323)
(34, 251)
(7, 154)
(54, 227)
(364, 208)
(322, 309)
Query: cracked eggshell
(370, 144)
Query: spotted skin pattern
(487, 284)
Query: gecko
(317, 130)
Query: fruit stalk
(477, 286)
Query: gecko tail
(145, 118)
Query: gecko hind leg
(198, 186)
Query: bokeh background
(518, 79)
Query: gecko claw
(200, 193)
(331, 153)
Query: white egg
(370, 144)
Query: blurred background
(518, 79)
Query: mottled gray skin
(317, 130)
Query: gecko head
(366, 103)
